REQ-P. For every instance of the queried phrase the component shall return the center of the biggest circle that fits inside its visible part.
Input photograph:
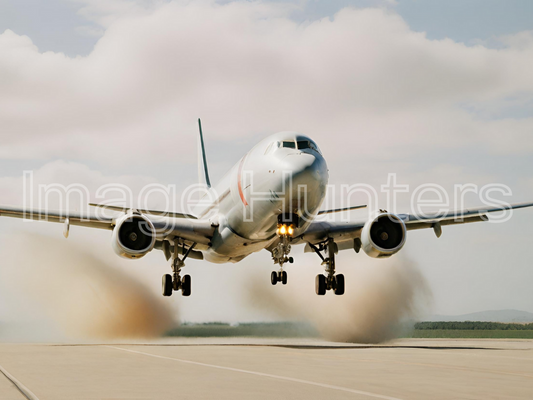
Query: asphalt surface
(268, 369)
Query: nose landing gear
(280, 276)
(280, 253)
(330, 281)
(174, 282)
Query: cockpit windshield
(307, 144)
(291, 144)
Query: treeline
(253, 329)
(473, 325)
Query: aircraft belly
(229, 246)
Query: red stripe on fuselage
(239, 184)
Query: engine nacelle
(133, 236)
(383, 236)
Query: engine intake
(383, 235)
(133, 236)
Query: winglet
(203, 172)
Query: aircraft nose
(308, 170)
(303, 184)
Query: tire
(291, 260)
(167, 285)
(339, 284)
(320, 285)
(186, 285)
(274, 277)
(284, 277)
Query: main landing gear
(280, 253)
(175, 281)
(330, 281)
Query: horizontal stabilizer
(144, 211)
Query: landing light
(285, 230)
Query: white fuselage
(285, 173)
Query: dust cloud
(381, 301)
(85, 297)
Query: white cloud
(68, 174)
(519, 41)
(105, 12)
(363, 78)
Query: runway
(267, 368)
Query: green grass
(217, 329)
(473, 325)
(470, 334)
(305, 330)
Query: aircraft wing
(90, 221)
(345, 232)
(199, 232)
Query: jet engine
(133, 236)
(383, 236)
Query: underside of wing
(169, 214)
(346, 234)
(339, 231)
(336, 210)
(72, 218)
(188, 231)
(457, 217)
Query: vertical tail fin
(203, 172)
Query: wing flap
(170, 214)
(336, 210)
(459, 215)
(426, 225)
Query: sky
(98, 92)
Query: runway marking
(21, 388)
(244, 371)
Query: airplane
(269, 200)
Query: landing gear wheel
(291, 260)
(284, 277)
(320, 285)
(167, 285)
(339, 284)
(186, 285)
(274, 277)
